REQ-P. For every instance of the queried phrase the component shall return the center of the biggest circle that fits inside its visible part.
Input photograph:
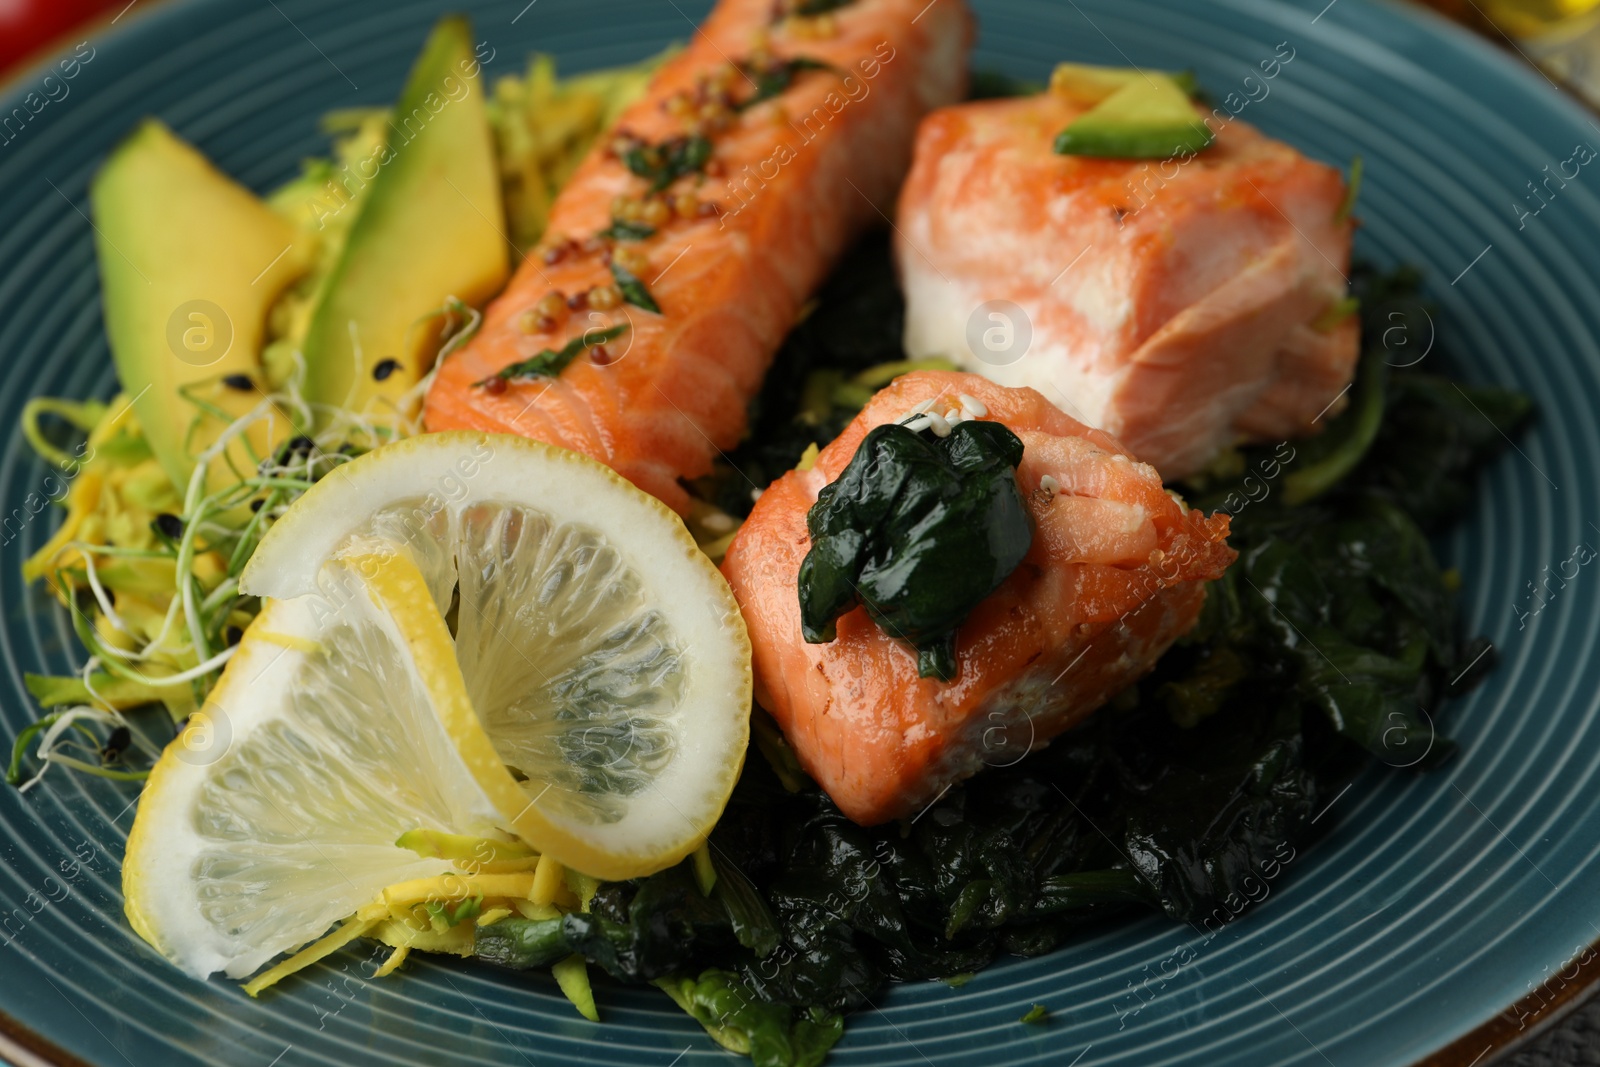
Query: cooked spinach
(773, 78)
(918, 529)
(633, 290)
(664, 163)
(1342, 595)
(1324, 460)
(1333, 638)
(771, 1034)
(623, 230)
(550, 362)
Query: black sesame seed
(255, 505)
(119, 739)
(240, 382)
(169, 525)
(233, 635)
(301, 444)
(385, 368)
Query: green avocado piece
(1148, 118)
(430, 227)
(1080, 81)
(190, 264)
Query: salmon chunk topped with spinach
(962, 575)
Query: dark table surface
(1572, 1042)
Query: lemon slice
(603, 653)
(335, 729)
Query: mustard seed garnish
(655, 212)
(631, 260)
(552, 306)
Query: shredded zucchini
(341, 937)
(548, 884)
(705, 873)
(544, 126)
(572, 975)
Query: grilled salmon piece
(790, 182)
(1115, 574)
(1182, 306)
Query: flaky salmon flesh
(1183, 305)
(1116, 572)
(791, 180)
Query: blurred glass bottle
(1562, 36)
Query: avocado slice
(1148, 118)
(1090, 84)
(190, 263)
(430, 227)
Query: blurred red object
(27, 26)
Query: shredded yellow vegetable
(547, 881)
(456, 887)
(572, 975)
(309, 955)
(396, 958)
(705, 874)
(479, 855)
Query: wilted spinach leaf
(918, 529)
(772, 1035)
(1206, 826)
(624, 230)
(664, 163)
(633, 290)
(773, 78)
(550, 363)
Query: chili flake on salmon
(1184, 302)
(1113, 573)
(683, 250)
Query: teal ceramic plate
(1435, 902)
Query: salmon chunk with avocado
(686, 245)
(960, 576)
(1178, 282)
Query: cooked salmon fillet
(1173, 304)
(1114, 575)
(790, 182)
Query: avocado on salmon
(430, 227)
(1149, 117)
(1090, 84)
(190, 264)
